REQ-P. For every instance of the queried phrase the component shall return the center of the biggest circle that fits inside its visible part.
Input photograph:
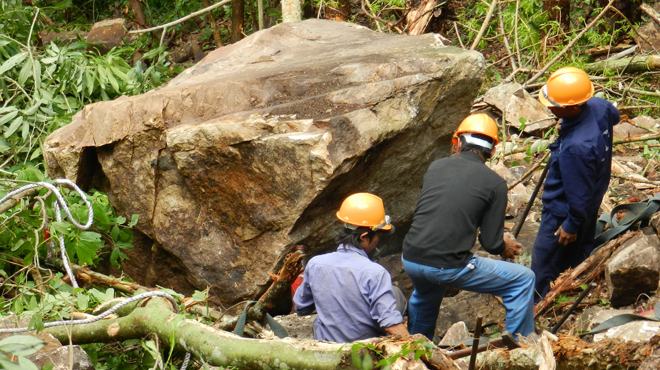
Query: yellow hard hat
(364, 210)
(565, 87)
(478, 123)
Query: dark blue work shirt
(353, 296)
(580, 164)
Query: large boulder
(252, 150)
(633, 270)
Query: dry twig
(570, 44)
(484, 25)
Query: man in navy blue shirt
(578, 174)
(352, 295)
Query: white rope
(186, 360)
(58, 204)
(63, 254)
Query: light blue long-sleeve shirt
(352, 295)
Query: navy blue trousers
(549, 259)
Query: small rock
(107, 33)
(648, 37)
(456, 335)
(466, 307)
(518, 198)
(585, 320)
(600, 315)
(646, 122)
(300, 327)
(655, 223)
(634, 269)
(652, 362)
(58, 358)
(517, 106)
(504, 172)
(635, 331)
(625, 130)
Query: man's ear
(364, 236)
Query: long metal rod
(572, 308)
(523, 216)
(475, 344)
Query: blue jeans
(511, 281)
(549, 259)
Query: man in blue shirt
(352, 295)
(578, 174)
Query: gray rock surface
(456, 335)
(635, 331)
(466, 307)
(634, 269)
(300, 327)
(517, 105)
(252, 150)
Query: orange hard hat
(565, 87)
(364, 210)
(477, 123)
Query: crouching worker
(352, 295)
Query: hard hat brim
(545, 101)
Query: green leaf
(36, 322)
(37, 74)
(8, 116)
(134, 220)
(82, 301)
(15, 124)
(88, 244)
(21, 345)
(26, 72)
(367, 362)
(25, 130)
(12, 62)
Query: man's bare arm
(399, 330)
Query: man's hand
(398, 330)
(512, 247)
(565, 238)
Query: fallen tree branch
(585, 272)
(418, 18)
(216, 347)
(638, 63)
(183, 19)
(569, 46)
(650, 12)
(640, 179)
(484, 25)
(638, 139)
(13, 200)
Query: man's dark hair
(352, 236)
(477, 149)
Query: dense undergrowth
(43, 84)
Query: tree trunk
(214, 26)
(560, 11)
(418, 18)
(136, 8)
(237, 19)
(642, 63)
(291, 11)
(219, 348)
